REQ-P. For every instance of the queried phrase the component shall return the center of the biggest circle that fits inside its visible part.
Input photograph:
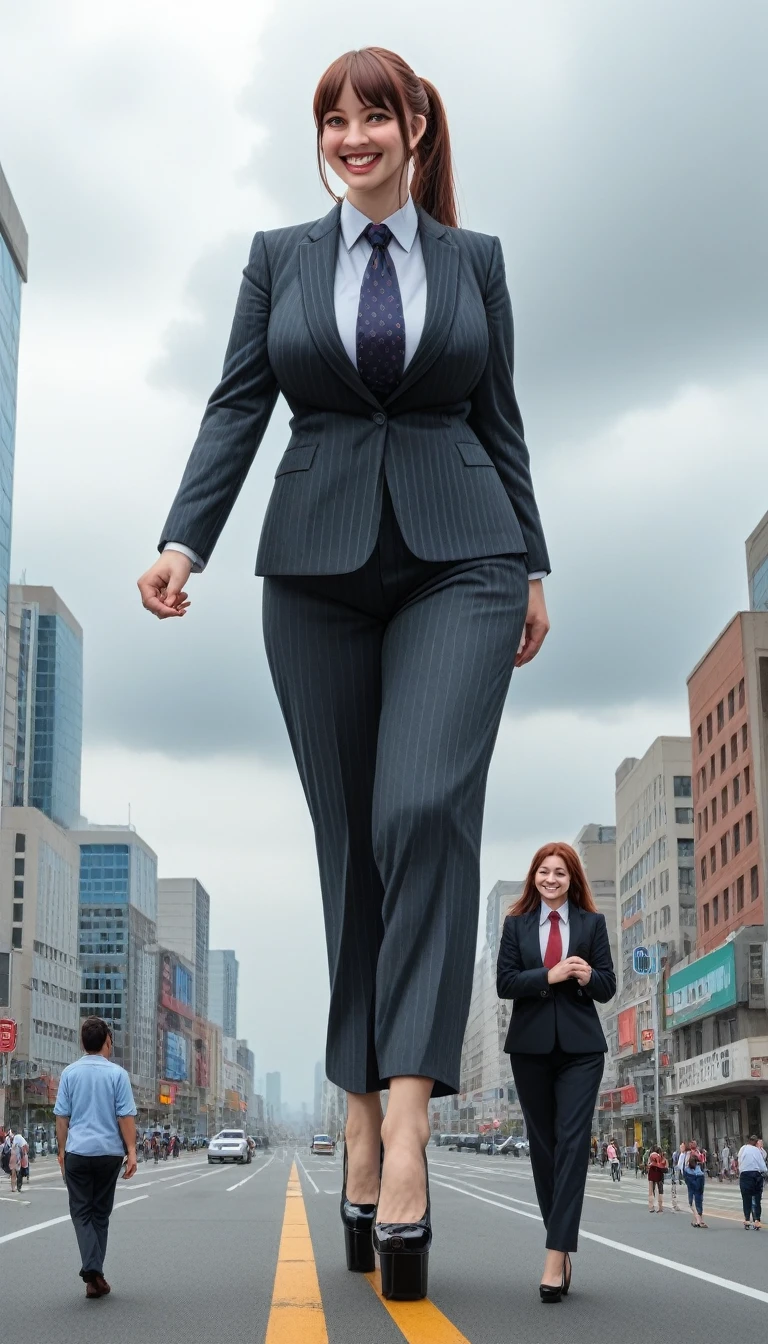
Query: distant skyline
(614, 151)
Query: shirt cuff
(198, 565)
(539, 573)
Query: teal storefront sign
(704, 987)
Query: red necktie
(554, 952)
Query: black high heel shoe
(358, 1230)
(549, 1293)
(404, 1254)
(567, 1277)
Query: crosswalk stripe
(420, 1322)
(297, 1308)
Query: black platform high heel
(358, 1230)
(404, 1254)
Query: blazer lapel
(317, 267)
(441, 260)
(578, 936)
(531, 940)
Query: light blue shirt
(351, 260)
(93, 1093)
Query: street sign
(642, 963)
(7, 1035)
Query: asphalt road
(201, 1253)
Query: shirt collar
(403, 224)
(564, 912)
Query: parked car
(322, 1144)
(230, 1145)
(515, 1147)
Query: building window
(711, 768)
(18, 912)
(713, 860)
(21, 842)
(682, 786)
(18, 891)
(18, 867)
(684, 849)
(720, 716)
(741, 693)
(704, 869)
(700, 737)
(746, 779)
(684, 816)
(715, 909)
(706, 819)
(724, 801)
(737, 838)
(714, 811)
(754, 886)
(748, 829)
(734, 747)
(744, 737)
(736, 789)
(723, 758)
(731, 704)
(709, 727)
(723, 850)
(726, 904)
(16, 939)
(740, 893)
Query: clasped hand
(570, 968)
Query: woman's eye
(380, 116)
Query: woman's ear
(418, 127)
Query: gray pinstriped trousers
(392, 681)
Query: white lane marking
(191, 1179)
(250, 1178)
(742, 1288)
(36, 1227)
(316, 1188)
(6, 1199)
(137, 1200)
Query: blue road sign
(642, 962)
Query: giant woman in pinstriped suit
(403, 555)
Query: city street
(202, 1252)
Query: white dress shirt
(353, 255)
(565, 928)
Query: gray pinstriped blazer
(450, 436)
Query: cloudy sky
(618, 150)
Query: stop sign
(7, 1035)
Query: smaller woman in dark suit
(555, 963)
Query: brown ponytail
(381, 78)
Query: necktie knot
(554, 918)
(378, 235)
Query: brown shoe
(102, 1285)
(91, 1290)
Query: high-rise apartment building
(118, 946)
(13, 271)
(757, 566)
(596, 847)
(223, 972)
(43, 716)
(273, 1099)
(183, 924)
(728, 701)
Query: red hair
(381, 78)
(578, 892)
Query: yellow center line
(297, 1309)
(420, 1322)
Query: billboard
(175, 1057)
(704, 987)
(627, 1027)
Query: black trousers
(751, 1186)
(392, 681)
(91, 1185)
(557, 1094)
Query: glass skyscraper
(223, 971)
(13, 270)
(43, 729)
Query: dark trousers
(694, 1180)
(91, 1185)
(751, 1186)
(392, 681)
(557, 1094)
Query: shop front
(723, 1094)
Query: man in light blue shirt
(95, 1128)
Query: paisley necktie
(380, 337)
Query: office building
(183, 924)
(728, 701)
(118, 947)
(14, 246)
(176, 1039)
(272, 1100)
(43, 714)
(596, 847)
(223, 972)
(757, 566)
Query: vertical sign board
(7, 1035)
(704, 987)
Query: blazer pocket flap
(474, 455)
(297, 459)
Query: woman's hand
(571, 968)
(162, 587)
(536, 623)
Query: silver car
(230, 1145)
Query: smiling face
(364, 148)
(553, 881)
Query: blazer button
(380, 418)
(544, 993)
(581, 993)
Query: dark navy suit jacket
(449, 438)
(547, 1015)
